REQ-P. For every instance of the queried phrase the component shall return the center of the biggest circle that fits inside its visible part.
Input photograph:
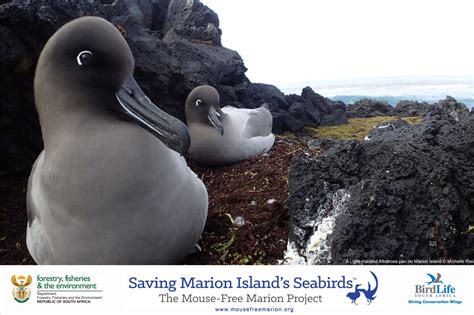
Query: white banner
(429, 289)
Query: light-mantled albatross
(111, 186)
(225, 135)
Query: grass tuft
(356, 129)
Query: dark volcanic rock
(252, 95)
(320, 103)
(306, 113)
(314, 110)
(293, 124)
(456, 110)
(191, 65)
(411, 108)
(365, 108)
(386, 127)
(322, 144)
(293, 98)
(297, 118)
(336, 117)
(193, 21)
(280, 120)
(404, 194)
(176, 45)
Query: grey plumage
(225, 135)
(259, 123)
(107, 189)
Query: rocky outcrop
(254, 95)
(176, 45)
(457, 110)
(192, 20)
(406, 193)
(312, 110)
(337, 116)
(411, 108)
(365, 108)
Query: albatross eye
(84, 57)
(198, 102)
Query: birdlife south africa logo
(21, 291)
(368, 292)
(434, 287)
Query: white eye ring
(80, 55)
(198, 102)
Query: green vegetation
(413, 120)
(287, 135)
(356, 129)
(250, 259)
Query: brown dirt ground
(13, 220)
(240, 190)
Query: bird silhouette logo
(369, 292)
(434, 279)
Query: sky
(286, 42)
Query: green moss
(356, 129)
(255, 259)
(287, 135)
(413, 120)
(223, 247)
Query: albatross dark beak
(137, 107)
(215, 120)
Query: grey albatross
(111, 186)
(225, 135)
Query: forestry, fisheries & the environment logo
(21, 291)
